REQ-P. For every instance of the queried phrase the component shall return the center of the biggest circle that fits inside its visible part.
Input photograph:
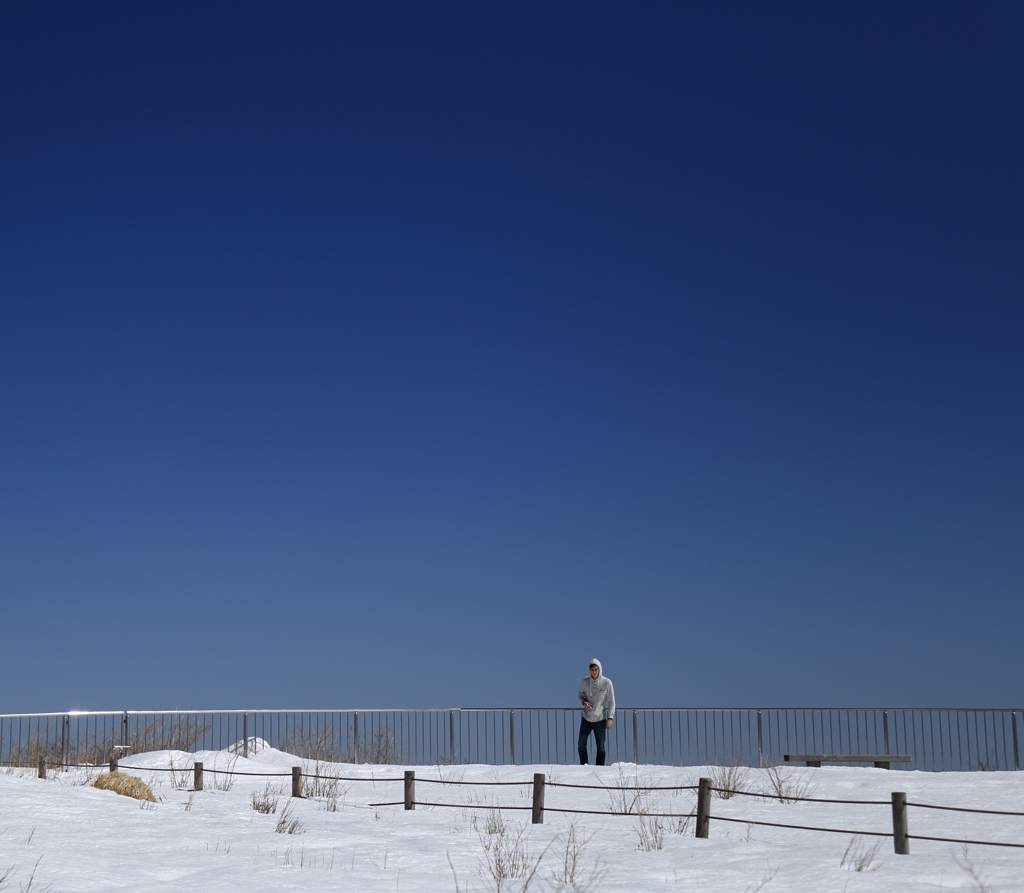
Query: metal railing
(938, 739)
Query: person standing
(597, 695)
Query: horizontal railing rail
(936, 739)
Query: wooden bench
(881, 760)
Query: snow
(62, 833)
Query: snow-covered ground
(63, 835)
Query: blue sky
(410, 356)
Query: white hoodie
(600, 693)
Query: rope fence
(539, 783)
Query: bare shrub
(508, 865)
(27, 755)
(181, 776)
(859, 856)
(380, 747)
(448, 775)
(321, 746)
(728, 778)
(766, 878)
(264, 802)
(629, 795)
(575, 873)
(321, 783)
(124, 784)
(778, 784)
(168, 733)
(288, 824)
(964, 862)
(30, 885)
(651, 831)
(493, 824)
(988, 762)
(221, 779)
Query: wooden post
(703, 807)
(296, 781)
(113, 764)
(42, 766)
(410, 789)
(197, 776)
(900, 838)
(538, 798)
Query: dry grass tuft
(860, 856)
(778, 784)
(288, 824)
(728, 778)
(124, 784)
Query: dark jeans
(586, 727)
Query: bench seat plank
(881, 760)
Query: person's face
(595, 671)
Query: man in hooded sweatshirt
(597, 695)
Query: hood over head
(600, 669)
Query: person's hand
(607, 723)
(587, 704)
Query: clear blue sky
(411, 355)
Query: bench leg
(881, 764)
(815, 763)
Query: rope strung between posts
(189, 769)
(721, 818)
(657, 815)
(964, 809)
(788, 799)
(958, 840)
(612, 787)
(347, 778)
(482, 783)
(253, 774)
(450, 805)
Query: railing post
(538, 798)
(636, 756)
(1016, 753)
(760, 745)
(113, 764)
(197, 776)
(124, 730)
(451, 736)
(410, 789)
(245, 734)
(885, 731)
(900, 838)
(355, 724)
(42, 766)
(512, 737)
(703, 807)
(296, 781)
(65, 734)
